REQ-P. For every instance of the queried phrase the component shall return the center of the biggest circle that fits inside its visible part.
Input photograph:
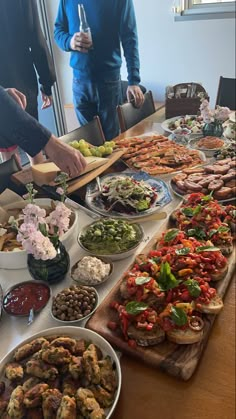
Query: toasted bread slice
(214, 307)
(220, 274)
(146, 337)
(226, 249)
(184, 337)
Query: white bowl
(82, 318)
(77, 333)
(113, 256)
(18, 259)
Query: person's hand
(81, 42)
(18, 96)
(67, 158)
(47, 101)
(135, 94)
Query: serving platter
(157, 155)
(165, 124)
(176, 192)
(177, 360)
(77, 333)
(96, 203)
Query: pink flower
(39, 246)
(59, 218)
(34, 214)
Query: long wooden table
(148, 393)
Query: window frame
(190, 11)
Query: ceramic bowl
(117, 255)
(90, 281)
(89, 289)
(18, 259)
(75, 333)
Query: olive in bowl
(74, 303)
(92, 270)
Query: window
(205, 9)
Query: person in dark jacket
(23, 49)
(96, 70)
(18, 127)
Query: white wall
(170, 52)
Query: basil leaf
(207, 197)
(170, 235)
(190, 212)
(183, 251)
(223, 229)
(196, 232)
(207, 249)
(212, 232)
(234, 213)
(178, 316)
(193, 287)
(140, 280)
(187, 211)
(135, 307)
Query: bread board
(96, 166)
(177, 360)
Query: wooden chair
(226, 93)
(128, 115)
(91, 132)
(7, 169)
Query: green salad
(110, 236)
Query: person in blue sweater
(96, 64)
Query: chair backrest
(185, 99)
(124, 87)
(91, 132)
(226, 93)
(7, 169)
(128, 115)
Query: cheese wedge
(44, 173)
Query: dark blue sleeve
(129, 40)
(17, 127)
(61, 34)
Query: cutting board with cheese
(45, 173)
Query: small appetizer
(181, 325)
(204, 218)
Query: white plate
(18, 259)
(75, 332)
(165, 124)
(209, 152)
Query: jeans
(100, 98)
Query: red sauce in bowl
(21, 298)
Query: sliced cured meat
(194, 187)
(215, 185)
(231, 183)
(179, 176)
(223, 193)
(206, 180)
(221, 170)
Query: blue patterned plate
(97, 204)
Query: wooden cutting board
(177, 360)
(96, 166)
